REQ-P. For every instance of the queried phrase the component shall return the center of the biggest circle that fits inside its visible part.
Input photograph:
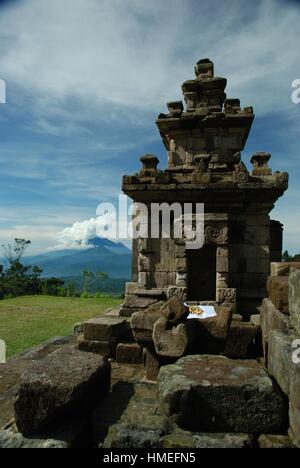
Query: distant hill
(102, 255)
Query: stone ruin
(176, 382)
(204, 144)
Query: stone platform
(130, 415)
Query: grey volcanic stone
(106, 328)
(105, 348)
(129, 353)
(125, 436)
(278, 288)
(170, 341)
(8, 439)
(142, 324)
(64, 382)
(241, 336)
(215, 394)
(174, 311)
(184, 439)
(280, 364)
(294, 299)
(294, 412)
(275, 441)
(283, 268)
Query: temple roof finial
(204, 68)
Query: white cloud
(45, 227)
(76, 236)
(116, 54)
(79, 65)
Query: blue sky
(86, 79)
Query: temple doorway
(201, 268)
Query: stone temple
(204, 139)
(166, 378)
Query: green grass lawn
(29, 320)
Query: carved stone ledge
(226, 295)
(181, 265)
(216, 234)
(176, 291)
(181, 279)
(241, 174)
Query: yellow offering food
(196, 310)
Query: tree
(14, 252)
(52, 286)
(102, 275)
(90, 278)
(18, 279)
(87, 276)
(286, 257)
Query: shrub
(52, 286)
(84, 295)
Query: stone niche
(204, 141)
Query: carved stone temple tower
(203, 142)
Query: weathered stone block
(222, 280)
(129, 353)
(174, 310)
(125, 436)
(280, 364)
(180, 251)
(270, 441)
(181, 265)
(65, 381)
(111, 312)
(294, 299)
(126, 312)
(216, 327)
(283, 268)
(11, 440)
(143, 262)
(152, 365)
(138, 302)
(71, 434)
(295, 405)
(142, 324)
(161, 279)
(131, 288)
(278, 289)
(104, 348)
(144, 278)
(222, 252)
(213, 393)
(179, 291)
(171, 341)
(184, 439)
(222, 264)
(181, 280)
(241, 338)
(271, 319)
(105, 328)
(226, 295)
